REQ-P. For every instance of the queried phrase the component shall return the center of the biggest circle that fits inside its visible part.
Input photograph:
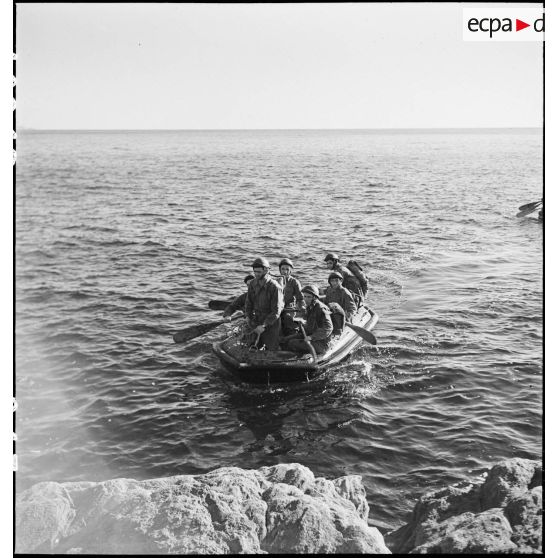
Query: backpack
(358, 272)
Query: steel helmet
(311, 289)
(286, 261)
(335, 275)
(261, 262)
(333, 257)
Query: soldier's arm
(249, 304)
(350, 307)
(298, 294)
(237, 304)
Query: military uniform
(237, 304)
(293, 298)
(344, 298)
(264, 302)
(351, 283)
(292, 294)
(319, 326)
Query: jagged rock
(468, 533)
(525, 515)
(44, 515)
(505, 480)
(523, 508)
(273, 509)
(349, 487)
(500, 515)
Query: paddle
(529, 205)
(526, 211)
(307, 341)
(191, 332)
(219, 304)
(364, 333)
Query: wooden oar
(191, 332)
(529, 205)
(219, 304)
(364, 333)
(307, 341)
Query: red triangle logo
(519, 25)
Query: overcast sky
(193, 66)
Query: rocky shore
(502, 514)
(278, 509)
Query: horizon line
(29, 129)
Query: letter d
(539, 28)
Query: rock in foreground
(503, 514)
(276, 509)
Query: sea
(123, 237)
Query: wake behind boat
(266, 367)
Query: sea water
(122, 238)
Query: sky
(242, 66)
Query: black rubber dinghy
(267, 367)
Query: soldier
(292, 296)
(340, 301)
(350, 282)
(318, 326)
(264, 302)
(240, 301)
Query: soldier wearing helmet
(240, 301)
(292, 296)
(350, 282)
(264, 302)
(340, 301)
(318, 325)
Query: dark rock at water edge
(276, 509)
(503, 514)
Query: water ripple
(121, 239)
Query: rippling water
(123, 237)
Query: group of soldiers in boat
(270, 305)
